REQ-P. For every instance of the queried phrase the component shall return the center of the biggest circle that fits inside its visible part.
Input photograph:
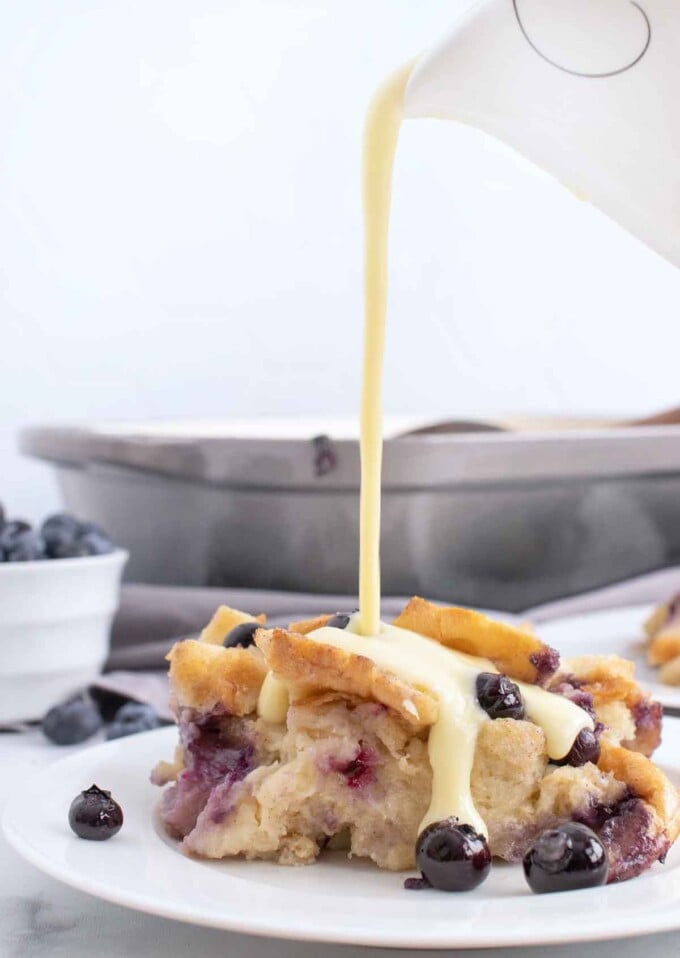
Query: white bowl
(55, 624)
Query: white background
(180, 232)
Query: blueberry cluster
(77, 719)
(61, 536)
(453, 857)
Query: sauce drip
(381, 134)
(422, 662)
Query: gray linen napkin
(151, 618)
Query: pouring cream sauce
(450, 676)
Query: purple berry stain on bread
(569, 687)
(546, 662)
(631, 840)
(212, 757)
(647, 716)
(358, 771)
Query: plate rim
(379, 935)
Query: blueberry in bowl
(60, 536)
(59, 590)
(66, 537)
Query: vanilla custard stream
(421, 662)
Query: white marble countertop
(40, 917)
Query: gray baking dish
(496, 519)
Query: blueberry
(68, 538)
(242, 635)
(95, 543)
(586, 748)
(452, 857)
(340, 620)
(94, 815)
(11, 532)
(89, 544)
(131, 718)
(73, 721)
(27, 546)
(565, 858)
(498, 696)
(59, 532)
(72, 550)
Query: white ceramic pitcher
(587, 89)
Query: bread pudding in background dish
(291, 742)
(663, 640)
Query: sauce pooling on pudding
(451, 677)
(448, 675)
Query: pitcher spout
(583, 88)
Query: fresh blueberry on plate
(451, 856)
(565, 858)
(94, 815)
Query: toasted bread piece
(310, 665)
(305, 626)
(632, 717)
(223, 621)
(664, 647)
(205, 677)
(656, 621)
(669, 673)
(608, 678)
(515, 652)
(663, 633)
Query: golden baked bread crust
(309, 665)
(669, 673)
(663, 634)
(205, 677)
(515, 652)
(619, 702)
(305, 626)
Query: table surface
(40, 917)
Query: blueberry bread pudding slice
(296, 740)
(663, 640)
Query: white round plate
(335, 900)
(611, 632)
